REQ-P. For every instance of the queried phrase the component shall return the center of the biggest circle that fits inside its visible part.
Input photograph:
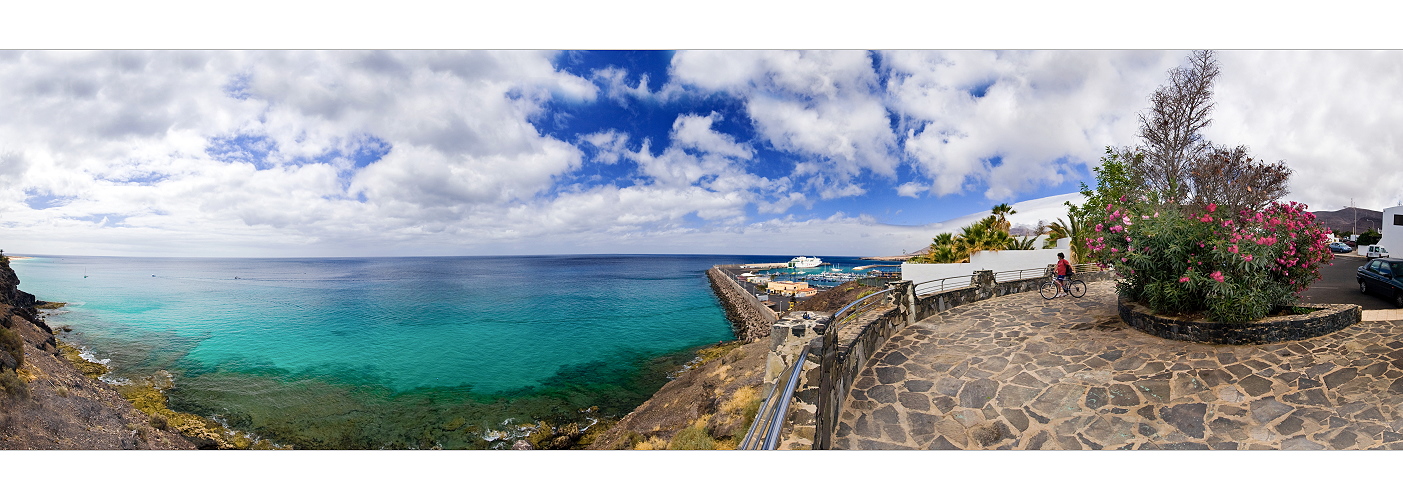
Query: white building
(1392, 230)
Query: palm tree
(1056, 231)
(1001, 211)
(947, 254)
(1072, 228)
(1024, 243)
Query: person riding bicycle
(1064, 268)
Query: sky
(304, 153)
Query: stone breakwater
(750, 319)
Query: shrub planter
(1327, 318)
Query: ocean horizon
(391, 352)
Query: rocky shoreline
(47, 403)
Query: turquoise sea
(370, 353)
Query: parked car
(1339, 247)
(1375, 251)
(1383, 276)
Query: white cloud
(159, 153)
(616, 86)
(1036, 108)
(692, 131)
(1333, 116)
(609, 145)
(822, 106)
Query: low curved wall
(1328, 319)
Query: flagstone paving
(1020, 372)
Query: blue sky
(473, 152)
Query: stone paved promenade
(1018, 372)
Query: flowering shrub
(1235, 267)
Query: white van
(1373, 251)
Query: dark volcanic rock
(977, 393)
(1188, 418)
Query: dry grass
(694, 437)
(740, 399)
(653, 443)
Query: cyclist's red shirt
(1062, 267)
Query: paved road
(1018, 372)
(1338, 285)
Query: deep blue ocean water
(455, 352)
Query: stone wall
(1328, 318)
(750, 319)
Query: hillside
(1344, 219)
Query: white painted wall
(1002, 260)
(1392, 235)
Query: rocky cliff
(46, 402)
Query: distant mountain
(1344, 219)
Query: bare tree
(1232, 179)
(1172, 130)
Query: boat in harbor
(805, 262)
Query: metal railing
(1037, 272)
(943, 284)
(859, 306)
(769, 420)
(1091, 267)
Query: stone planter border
(1329, 318)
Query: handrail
(759, 415)
(848, 311)
(773, 411)
(1037, 272)
(777, 421)
(919, 289)
(1090, 267)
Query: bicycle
(1049, 288)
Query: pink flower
(1217, 275)
(1113, 249)
(1184, 279)
(1232, 248)
(1247, 257)
(1212, 207)
(1205, 218)
(1099, 228)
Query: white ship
(805, 262)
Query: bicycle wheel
(1048, 290)
(1077, 288)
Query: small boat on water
(805, 262)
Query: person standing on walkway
(1064, 268)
